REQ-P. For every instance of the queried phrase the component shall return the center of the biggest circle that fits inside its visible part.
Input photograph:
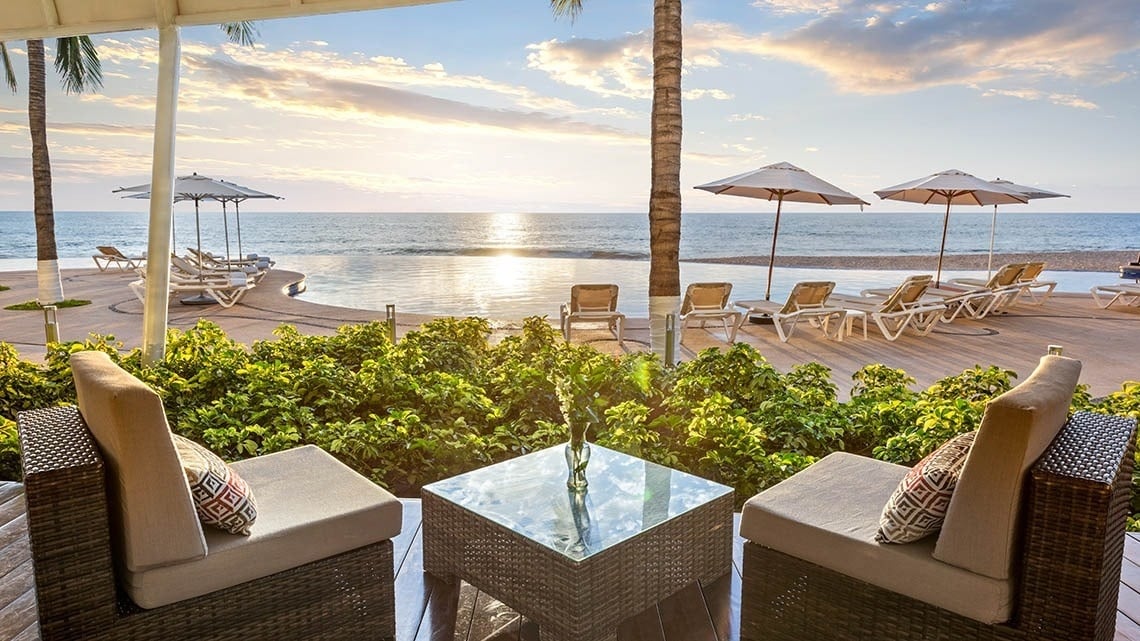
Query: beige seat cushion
(980, 531)
(150, 499)
(310, 507)
(828, 515)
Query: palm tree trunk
(50, 287)
(665, 193)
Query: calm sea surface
(506, 265)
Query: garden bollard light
(51, 327)
(670, 338)
(390, 321)
(1055, 350)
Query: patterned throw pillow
(221, 497)
(918, 505)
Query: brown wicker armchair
(82, 584)
(1067, 546)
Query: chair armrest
(1073, 540)
(68, 525)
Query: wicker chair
(1064, 571)
(77, 556)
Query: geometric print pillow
(221, 497)
(918, 505)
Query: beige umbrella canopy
(1032, 193)
(781, 181)
(951, 187)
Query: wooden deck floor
(430, 610)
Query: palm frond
(9, 74)
(571, 8)
(78, 64)
(242, 33)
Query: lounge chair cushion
(221, 497)
(310, 507)
(150, 502)
(828, 515)
(980, 530)
(918, 505)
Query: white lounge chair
(808, 302)
(1030, 279)
(191, 268)
(1125, 294)
(593, 304)
(109, 255)
(977, 298)
(904, 307)
(710, 301)
(226, 291)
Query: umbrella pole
(942, 250)
(990, 263)
(226, 227)
(198, 229)
(772, 255)
(237, 215)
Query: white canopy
(779, 182)
(32, 19)
(24, 19)
(782, 181)
(952, 187)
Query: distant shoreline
(1075, 261)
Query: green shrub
(445, 400)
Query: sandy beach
(1079, 261)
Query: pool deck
(1104, 340)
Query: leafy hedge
(443, 400)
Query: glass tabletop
(626, 497)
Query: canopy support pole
(942, 250)
(993, 229)
(772, 256)
(161, 222)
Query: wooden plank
(30, 633)
(19, 614)
(684, 616)
(493, 621)
(14, 532)
(9, 489)
(643, 626)
(440, 614)
(721, 606)
(412, 593)
(1126, 629)
(1132, 547)
(14, 584)
(1128, 603)
(1130, 574)
(465, 611)
(409, 529)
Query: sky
(495, 105)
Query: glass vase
(577, 457)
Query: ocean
(506, 265)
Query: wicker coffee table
(577, 564)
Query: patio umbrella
(781, 181)
(951, 187)
(198, 188)
(1032, 193)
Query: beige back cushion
(980, 530)
(151, 508)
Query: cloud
(616, 68)
(880, 47)
(746, 117)
(307, 92)
(871, 47)
(1063, 99)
